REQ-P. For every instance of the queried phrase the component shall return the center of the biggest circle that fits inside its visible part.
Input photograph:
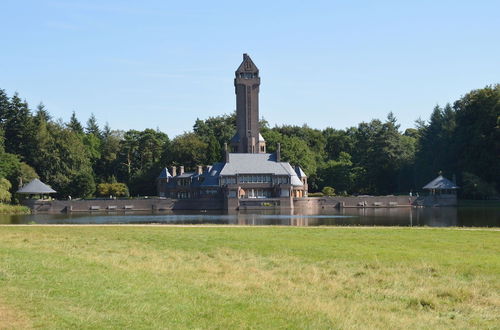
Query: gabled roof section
(440, 183)
(209, 178)
(164, 174)
(299, 172)
(36, 187)
(247, 65)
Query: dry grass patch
(11, 318)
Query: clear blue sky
(139, 64)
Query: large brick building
(249, 177)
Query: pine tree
(74, 124)
(41, 114)
(4, 107)
(19, 128)
(92, 126)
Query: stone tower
(246, 83)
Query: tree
(5, 186)
(75, 125)
(4, 108)
(338, 141)
(297, 152)
(214, 152)
(477, 134)
(339, 173)
(41, 114)
(474, 187)
(187, 149)
(82, 185)
(108, 164)
(18, 128)
(222, 128)
(92, 127)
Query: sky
(163, 64)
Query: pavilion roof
(441, 183)
(36, 187)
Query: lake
(433, 217)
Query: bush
(315, 194)
(5, 195)
(113, 189)
(328, 191)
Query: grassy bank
(241, 277)
(13, 209)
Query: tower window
(247, 75)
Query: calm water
(433, 217)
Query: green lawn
(248, 277)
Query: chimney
(199, 170)
(181, 170)
(278, 153)
(174, 170)
(226, 153)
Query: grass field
(248, 277)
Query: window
(229, 180)
(255, 178)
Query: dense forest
(461, 140)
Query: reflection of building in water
(249, 178)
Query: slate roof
(36, 187)
(299, 172)
(441, 183)
(210, 178)
(186, 175)
(247, 65)
(164, 174)
(240, 163)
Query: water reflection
(433, 217)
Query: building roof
(186, 175)
(164, 174)
(209, 178)
(247, 65)
(243, 163)
(36, 187)
(299, 172)
(440, 183)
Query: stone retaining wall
(117, 205)
(354, 201)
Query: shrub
(113, 189)
(328, 191)
(5, 195)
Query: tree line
(461, 140)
